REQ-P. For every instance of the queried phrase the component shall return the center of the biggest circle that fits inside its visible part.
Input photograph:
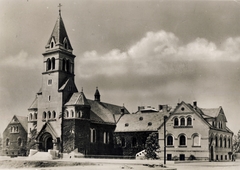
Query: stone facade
(196, 133)
(15, 137)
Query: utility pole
(164, 129)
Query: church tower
(57, 87)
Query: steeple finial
(59, 6)
(82, 89)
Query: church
(61, 117)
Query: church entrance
(47, 141)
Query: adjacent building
(15, 137)
(196, 133)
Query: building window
(176, 121)
(35, 116)
(49, 82)
(182, 140)
(66, 113)
(106, 137)
(44, 115)
(140, 118)
(63, 64)
(149, 123)
(49, 98)
(54, 114)
(30, 116)
(126, 124)
(123, 142)
(196, 140)
(225, 142)
(216, 141)
(52, 44)
(169, 140)
(72, 113)
(7, 142)
(189, 121)
(53, 63)
(221, 141)
(19, 142)
(182, 121)
(49, 114)
(134, 141)
(48, 64)
(169, 157)
(93, 135)
(229, 143)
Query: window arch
(106, 137)
(49, 115)
(176, 121)
(221, 141)
(53, 63)
(182, 140)
(54, 114)
(189, 121)
(52, 44)
(196, 140)
(7, 142)
(182, 121)
(48, 64)
(19, 141)
(44, 115)
(169, 140)
(93, 135)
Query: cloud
(21, 60)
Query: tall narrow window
(182, 140)
(48, 64)
(216, 141)
(196, 140)
(225, 142)
(189, 121)
(176, 121)
(19, 142)
(182, 121)
(72, 113)
(30, 116)
(63, 64)
(35, 116)
(49, 114)
(44, 115)
(92, 135)
(7, 142)
(169, 140)
(53, 63)
(221, 141)
(106, 137)
(54, 114)
(67, 66)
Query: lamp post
(164, 129)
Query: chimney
(97, 95)
(165, 108)
(160, 107)
(195, 104)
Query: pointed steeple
(59, 38)
(97, 95)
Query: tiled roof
(140, 122)
(23, 121)
(213, 112)
(77, 99)
(59, 33)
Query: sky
(138, 53)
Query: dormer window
(52, 44)
(65, 43)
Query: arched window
(67, 113)
(134, 141)
(48, 64)
(19, 142)
(7, 142)
(221, 141)
(225, 142)
(123, 142)
(176, 121)
(189, 121)
(182, 121)
(92, 135)
(52, 44)
(182, 140)
(44, 115)
(54, 114)
(49, 114)
(53, 63)
(106, 137)
(30, 116)
(72, 113)
(169, 140)
(216, 141)
(67, 65)
(229, 142)
(196, 140)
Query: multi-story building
(15, 137)
(196, 133)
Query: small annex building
(15, 137)
(133, 129)
(196, 133)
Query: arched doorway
(47, 141)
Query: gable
(183, 108)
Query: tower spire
(59, 6)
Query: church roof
(140, 122)
(23, 121)
(34, 104)
(77, 99)
(59, 33)
(213, 112)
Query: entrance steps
(37, 155)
